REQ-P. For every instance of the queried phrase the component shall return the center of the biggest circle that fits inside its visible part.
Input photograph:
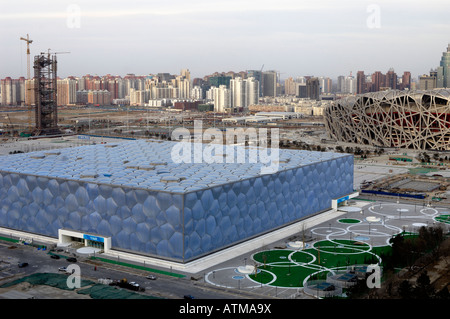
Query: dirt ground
(26, 290)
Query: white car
(62, 269)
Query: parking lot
(40, 261)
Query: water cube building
(132, 196)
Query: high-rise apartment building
(391, 79)
(360, 82)
(325, 84)
(406, 81)
(13, 91)
(219, 80)
(112, 85)
(186, 74)
(269, 83)
(237, 88)
(184, 87)
(347, 84)
(427, 82)
(257, 75)
(99, 97)
(298, 86)
(300, 90)
(131, 81)
(290, 86)
(163, 77)
(66, 91)
(82, 97)
(222, 98)
(443, 71)
(139, 97)
(244, 92)
(252, 91)
(377, 81)
(313, 89)
(197, 93)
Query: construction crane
(49, 53)
(28, 41)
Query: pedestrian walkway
(345, 238)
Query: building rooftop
(148, 164)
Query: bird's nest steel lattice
(404, 119)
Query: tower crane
(28, 41)
(49, 52)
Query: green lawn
(349, 221)
(443, 219)
(289, 268)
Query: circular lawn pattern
(289, 269)
(443, 219)
(349, 221)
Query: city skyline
(323, 38)
(237, 89)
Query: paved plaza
(371, 224)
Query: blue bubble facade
(149, 204)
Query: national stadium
(405, 119)
(132, 197)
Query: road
(165, 286)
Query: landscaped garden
(290, 268)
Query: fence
(321, 289)
(417, 196)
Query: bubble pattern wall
(133, 192)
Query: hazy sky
(294, 37)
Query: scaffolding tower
(45, 91)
